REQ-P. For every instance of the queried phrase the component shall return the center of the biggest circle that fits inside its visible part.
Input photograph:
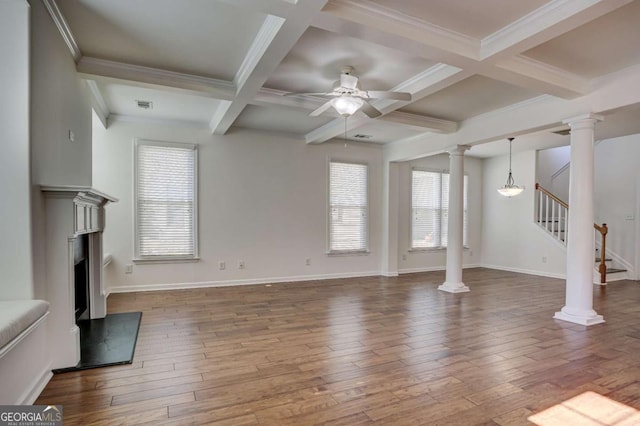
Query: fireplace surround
(72, 213)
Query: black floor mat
(107, 341)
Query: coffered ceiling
(228, 63)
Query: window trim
(358, 252)
(142, 259)
(431, 249)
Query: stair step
(615, 270)
(606, 260)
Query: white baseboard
(524, 271)
(37, 387)
(229, 283)
(433, 268)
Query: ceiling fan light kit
(348, 97)
(510, 189)
(346, 105)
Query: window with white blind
(430, 209)
(348, 207)
(165, 201)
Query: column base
(453, 287)
(587, 318)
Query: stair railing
(553, 215)
(602, 267)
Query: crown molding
(531, 68)
(121, 118)
(541, 20)
(267, 33)
(268, 97)
(427, 78)
(63, 27)
(220, 89)
(423, 122)
(99, 105)
(280, 8)
(407, 26)
(501, 112)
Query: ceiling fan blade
(308, 94)
(325, 106)
(398, 96)
(369, 110)
(348, 81)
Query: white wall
(15, 225)
(616, 191)
(549, 162)
(262, 199)
(59, 103)
(427, 260)
(510, 238)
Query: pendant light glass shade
(346, 105)
(510, 189)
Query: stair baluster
(558, 226)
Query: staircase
(552, 216)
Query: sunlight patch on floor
(588, 409)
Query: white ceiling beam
(538, 76)
(267, 97)
(611, 93)
(281, 8)
(543, 24)
(495, 57)
(421, 122)
(227, 112)
(273, 42)
(373, 15)
(91, 68)
(98, 103)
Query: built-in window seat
(24, 361)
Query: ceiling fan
(348, 97)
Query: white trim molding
(63, 27)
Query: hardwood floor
(360, 351)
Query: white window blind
(430, 209)
(165, 200)
(348, 207)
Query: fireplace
(75, 218)
(81, 277)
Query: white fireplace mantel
(72, 211)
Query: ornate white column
(453, 281)
(578, 306)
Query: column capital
(589, 118)
(457, 149)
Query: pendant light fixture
(510, 189)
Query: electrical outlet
(307, 261)
(128, 269)
(240, 264)
(222, 265)
(544, 259)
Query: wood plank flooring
(360, 351)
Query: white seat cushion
(17, 315)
